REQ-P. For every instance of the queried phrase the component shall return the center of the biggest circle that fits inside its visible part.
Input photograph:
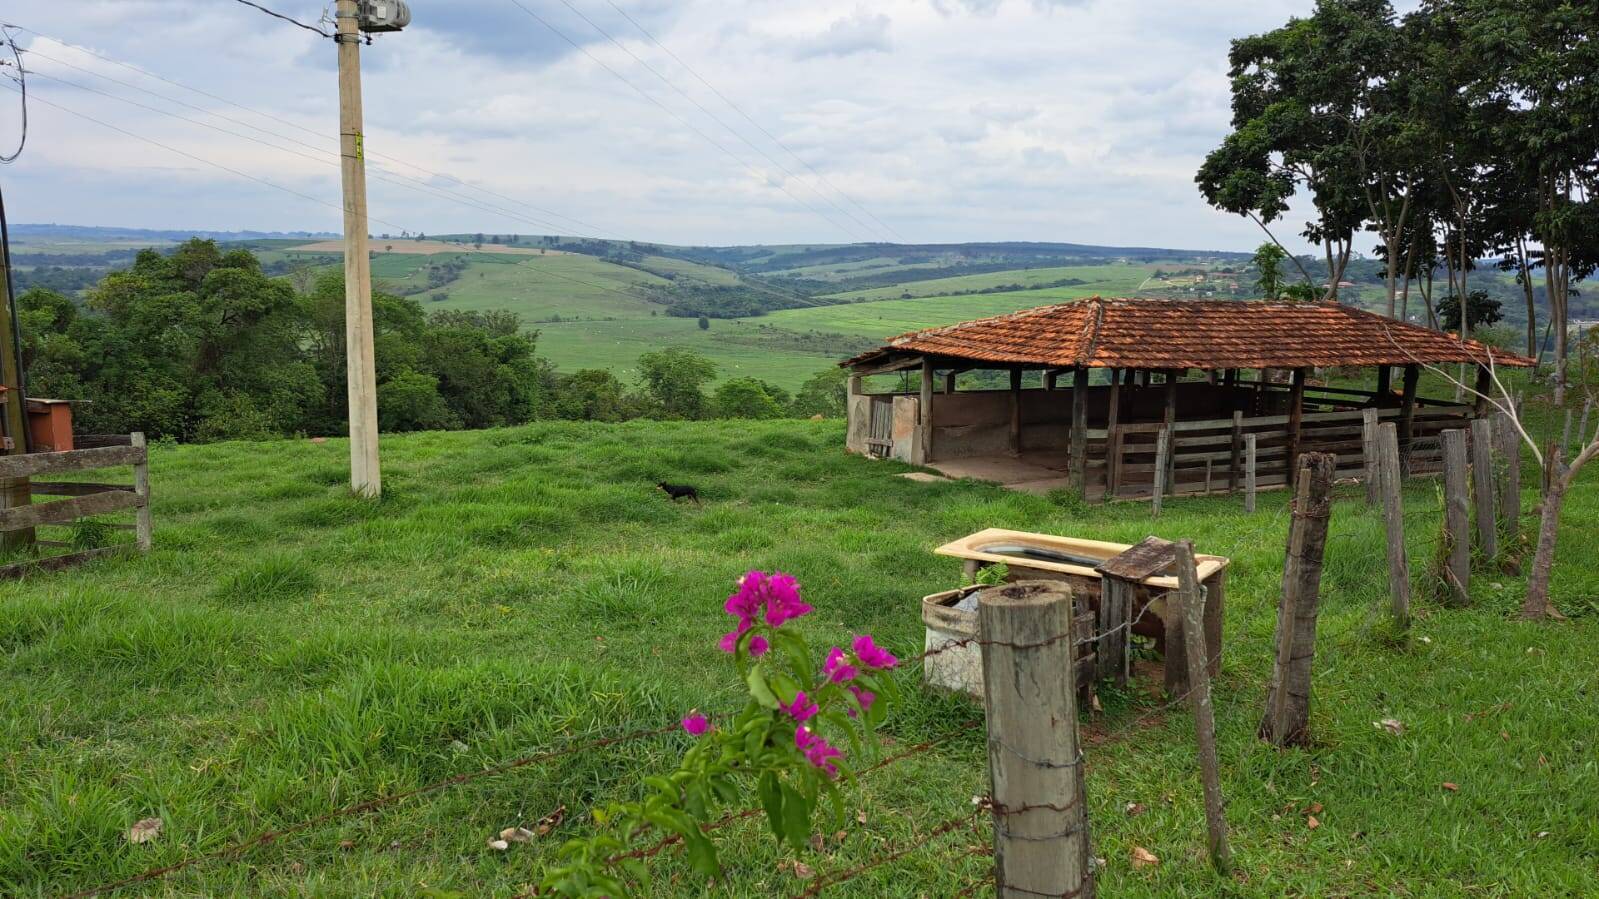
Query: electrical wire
(22, 83)
(595, 230)
(751, 119)
(674, 114)
(277, 15)
(711, 115)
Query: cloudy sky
(816, 122)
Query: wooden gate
(880, 433)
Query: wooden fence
(78, 500)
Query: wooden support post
(1016, 412)
(1050, 380)
(949, 380)
(1483, 488)
(1230, 378)
(1385, 382)
(1457, 518)
(1079, 473)
(1391, 486)
(1169, 419)
(1296, 417)
(14, 492)
(924, 411)
(1482, 390)
(1034, 761)
(1235, 462)
(1287, 719)
(1115, 627)
(144, 525)
(1193, 604)
(1368, 445)
(1249, 472)
(1113, 415)
(1407, 412)
(361, 368)
(855, 385)
(1162, 459)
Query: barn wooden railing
(79, 499)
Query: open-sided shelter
(1207, 372)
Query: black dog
(677, 492)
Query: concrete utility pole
(365, 475)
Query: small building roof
(1176, 334)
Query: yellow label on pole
(360, 145)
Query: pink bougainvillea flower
(817, 750)
(837, 667)
(782, 595)
(730, 641)
(758, 646)
(696, 724)
(745, 603)
(801, 709)
(871, 655)
(864, 697)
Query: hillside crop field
(288, 650)
(1113, 279)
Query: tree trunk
(1536, 607)
(1526, 289)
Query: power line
(711, 115)
(22, 83)
(748, 118)
(600, 232)
(278, 15)
(673, 113)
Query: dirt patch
(426, 248)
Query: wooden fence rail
(80, 499)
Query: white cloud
(950, 119)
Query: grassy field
(287, 650)
(1108, 279)
(739, 347)
(882, 319)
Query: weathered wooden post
(1392, 483)
(1457, 518)
(1193, 602)
(1079, 433)
(1368, 445)
(1016, 412)
(1235, 462)
(1249, 472)
(1482, 488)
(1287, 720)
(1510, 486)
(143, 525)
(1162, 455)
(1034, 762)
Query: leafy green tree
(675, 380)
(705, 323)
(1481, 309)
(745, 398)
(1268, 263)
(825, 393)
(592, 394)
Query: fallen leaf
(1451, 787)
(860, 816)
(1315, 808)
(803, 871)
(346, 844)
(296, 868)
(818, 842)
(144, 831)
(1391, 725)
(1542, 762)
(840, 836)
(1312, 823)
(499, 845)
(517, 835)
(1143, 858)
(1504, 735)
(1135, 808)
(551, 821)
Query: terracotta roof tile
(1209, 334)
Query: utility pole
(365, 476)
(13, 491)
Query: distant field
(1112, 278)
(837, 271)
(886, 318)
(427, 248)
(738, 347)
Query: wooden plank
(1482, 488)
(31, 464)
(19, 570)
(1034, 760)
(65, 510)
(1116, 600)
(92, 441)
(77, 489)
(1144, 559)
(144, 524)
(1457, 518)
(883, 368)
(1079, 434)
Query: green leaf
(759, 690)
(772, 800)
(796, 817)
(701, 853)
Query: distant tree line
(200, 344)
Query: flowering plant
(785, 744)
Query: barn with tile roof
(1206, 373)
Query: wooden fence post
(1287, 720)
(1199, 698)
(1368, 444)
(1392, 483)
(1482, 487)
(1235, 463)
(144, 526)
(1034, 762)
(1162, 457)
(1457, 518)
(1249, 472)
